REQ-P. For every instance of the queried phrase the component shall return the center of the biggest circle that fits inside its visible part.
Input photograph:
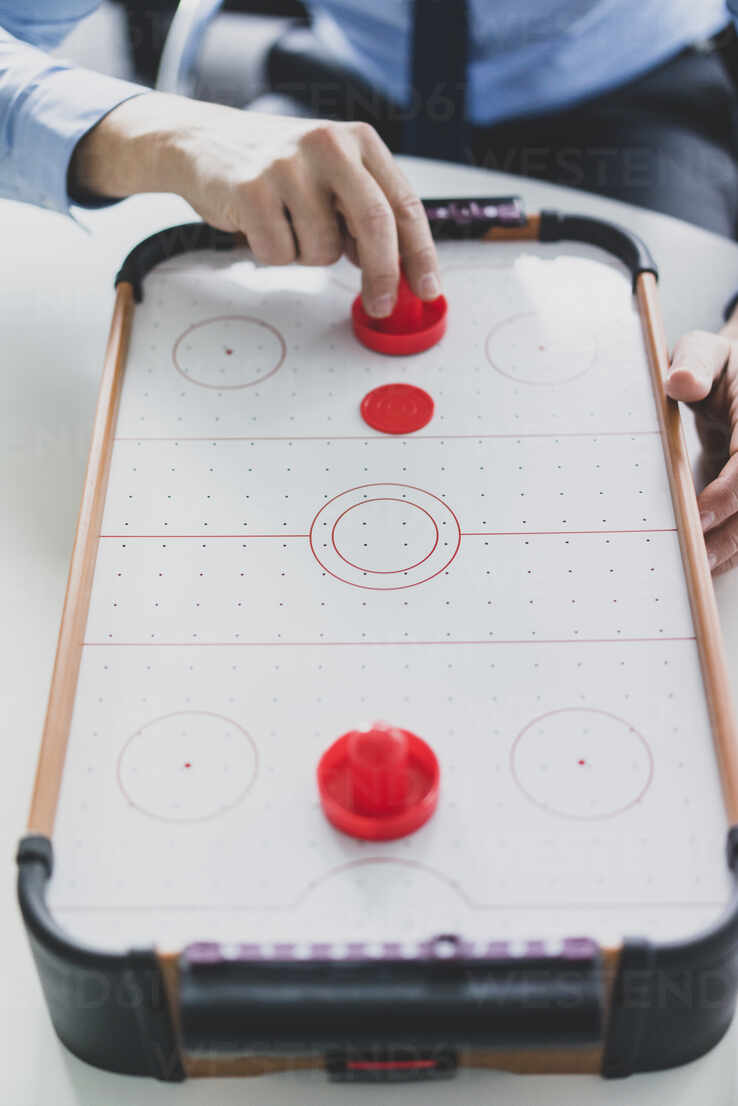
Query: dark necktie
(439, 57)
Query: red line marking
(384, 438)
(543, 533)
(450, 642)
(205, 534)
(464, 533)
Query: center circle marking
(385, 499)
(336, 525)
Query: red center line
(205, 534)
(449, 642)
(544, 533)
(464, 533)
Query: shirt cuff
(56, 114)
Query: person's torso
(43, 23)
(526, 55)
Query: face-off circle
(397, 408)
(524, 348)
(582, 763)
(187, 767)
(384, 537)
(229, 351)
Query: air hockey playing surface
(505, 582)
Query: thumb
(699, 357)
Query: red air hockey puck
(378, 784)
(413, 326)
(397, 408)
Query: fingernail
(381, 307)
(681, 368)
(707, 520)
(430, 286)
(711, 560)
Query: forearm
(134, 148)
(156, 142)
(162, 143)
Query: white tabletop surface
(56, 283)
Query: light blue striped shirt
(45, 105)
(526, 56)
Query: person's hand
(298, 189)
(704, 374)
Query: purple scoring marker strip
(446, 947)
(472, 218)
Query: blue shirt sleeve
(46, 107)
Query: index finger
(417, 248)
(371, 221)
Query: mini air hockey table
(389, 729)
